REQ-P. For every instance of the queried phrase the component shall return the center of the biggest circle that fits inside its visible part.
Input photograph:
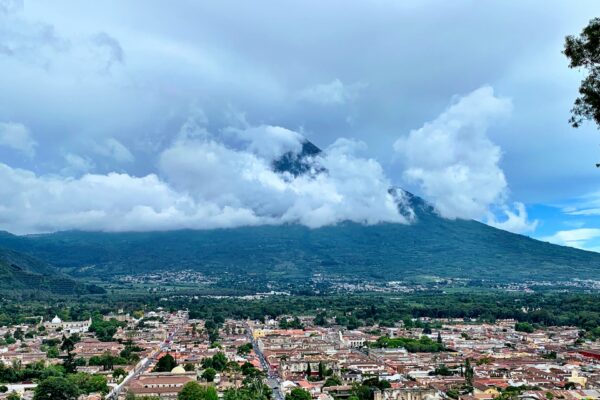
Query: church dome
(178, 370)
(56, 320)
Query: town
(161, 354)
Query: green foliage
(119, 374)
(333, 381)
(376, 383)
(422, 345)
(189, 367)
(469, 373)
(87, 383)
(244, 349)
(321, 371)
(320, 319)
(249, 370)
(583, 52)
(442, 370)
(35, 371)
(165, 364)
(194, 391)
(524, 327)
(294, 323)
(131, 396)
(209, 374)
(218, 362)
(105, 330)
(434, 247)
(107, 360)
(212, 328)
(21, 273)
(130, 352)
(56, 388)
(253, 389)
(298, 394)
(52, 352)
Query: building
(165, 385)
(58, 324)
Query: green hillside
(21, 273)
(432, 246)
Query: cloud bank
(204, 183)
(456, 165)
(17, 137)
(226, 179)
(579, 238)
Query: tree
(56, 388)
(68, 345)
(13, 396)
(194, 391)
(18, 334)
(237, 394)
(244, 349)
(87, 383)
(298, 394)
(524, 327)
(332, 381)
(583, 51)
(209, 374)
(469, 372)
(191, 391)
(320, 319)
(442, 370)
(218, 362)
(165, 364)
(321, 370)
(119, 373)
(189, 367)
(52, 352)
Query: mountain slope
(291, 253)
(23, 273)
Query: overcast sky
(159, 115)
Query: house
(165, 385)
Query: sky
(148, 115)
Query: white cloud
(271, 142)
(452, 159)
(205, 184)
(112, 202)
(353, 188)
(515, 221)
(332, 93)
(580, 238)
(587, 205)
(112, 148)
(17, 137)
(29, 41)
(76, 164)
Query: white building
(68, 327)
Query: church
(71, 327)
